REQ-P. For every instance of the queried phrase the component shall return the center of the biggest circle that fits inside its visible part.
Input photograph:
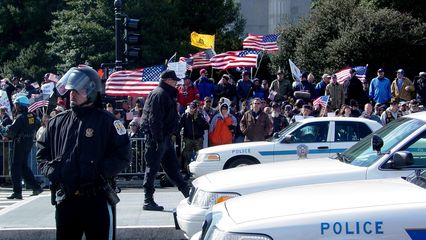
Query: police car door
(310, 140)
(346, 134)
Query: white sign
(47, 88)
(178, 67)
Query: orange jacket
(220, 132)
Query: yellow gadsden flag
(202, 40)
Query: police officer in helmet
(22, 132)
(81, 152)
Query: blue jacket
(205, 87)
(380, 90)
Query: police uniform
(159, 122)
(79, 152)
(22, 131)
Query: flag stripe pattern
(38, 104)
(345, 74)
(200, 60)
(138, 82)
(322, 100)
(267, 43)
(233, 59)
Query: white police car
(309, 138)
(359, 162)
(372, 209)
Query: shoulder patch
(121, 130)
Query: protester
(391, 113)
(380, 90)
(402, 88)
(255, 124)
(280, 88)
(368, 113)
(186, 94)
(222, 127)
(336, 93)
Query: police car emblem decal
(121, 130)
(302, 151)
(89, 132)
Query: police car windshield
(362, 153)
(278, 137)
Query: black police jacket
(159, 116)
(80, 146)
(22, 131)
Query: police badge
(89, 132)
(302, 151)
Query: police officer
(22, 131)
(81, 151)
(159, 122)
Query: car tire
(240, 162)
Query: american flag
(345, 74)
(138, 82)
(233, 59)
(322, 100)
(38, 104)
(268, 43)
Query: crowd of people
(214, 112)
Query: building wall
(264, 16)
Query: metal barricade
(135, 170)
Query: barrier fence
(136, 167)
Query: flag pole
(260, 62)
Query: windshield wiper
(343, 158)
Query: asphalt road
(34, 217)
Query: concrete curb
(123, 233)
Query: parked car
(360, 162)
(309, 138)
(391, 209)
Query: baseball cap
(169, 74)
(203, 71)
(400, 71)
(380, 70)
(193, 104)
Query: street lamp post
(118, 35)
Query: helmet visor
(75, 79)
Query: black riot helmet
(84, 80)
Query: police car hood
(261, 177)
(324, 199)
(237, 146)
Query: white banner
(295, 71)
(4, 102)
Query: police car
(359, 162)
(373, 209)
(309, 138)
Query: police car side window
(418, 149)
(312, 132)
(350, 131)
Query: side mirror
(289, 139)
(401, 159)
(376, 143)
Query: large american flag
(38, 104)
(345, 74)
(268, 43)
(138, 82)
(197, 60)
(233, 59)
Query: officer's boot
(150, 205)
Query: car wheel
(241, 162)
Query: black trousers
(93, 216)
(19, 169)
(163, 155)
